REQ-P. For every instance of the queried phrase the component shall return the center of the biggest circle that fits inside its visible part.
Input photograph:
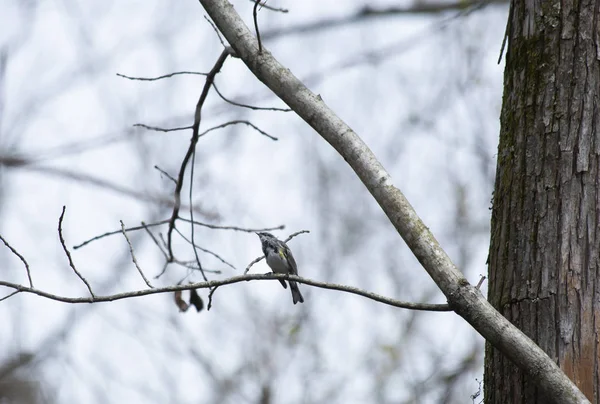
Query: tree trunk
(545, 245)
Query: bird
(280, 259)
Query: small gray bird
(280, 259)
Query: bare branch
(505, 37)
(223, 125)
(145, 226)
(10, 295)
(255, 18)
(161, 222)
(196, 127)
(237, 104)
(133, 255)
(229, 281)
(210, 297)
(216, 32)
(164, 269)
(217, 256)
(291, 236)
(158, 129)
(483, 278)
(112, 233)
(192, 230)
(66, 250)
(23, 260)
(264, 5)
(166, 174)
(252, 263)
(243, 229)
(164, 76)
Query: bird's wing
(291, 260)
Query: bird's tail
(296, 295)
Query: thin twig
(252, 263)
(235, 279)
(166, 174)
(217, 256)
(161, 222)
(480, 282)
(10, 295)
(223, 125)
(214, 27)
(133, 255)
(164, 269)
(210, 296)
(158, 129)
(161, 77)
(112, 233)
(23, 260)
(64, 246)
(237, 104)
(217, 227)
(153, 237)
(193, 229)
(506, 30)
(291, 236)
(255, 17)
(163, 241)
(280, 10)
(196, 127)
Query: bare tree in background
(545, 246)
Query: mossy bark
(544, 266)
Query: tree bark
(545, 246)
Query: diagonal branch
(23, 260)
(466, 300)
(137, 266)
